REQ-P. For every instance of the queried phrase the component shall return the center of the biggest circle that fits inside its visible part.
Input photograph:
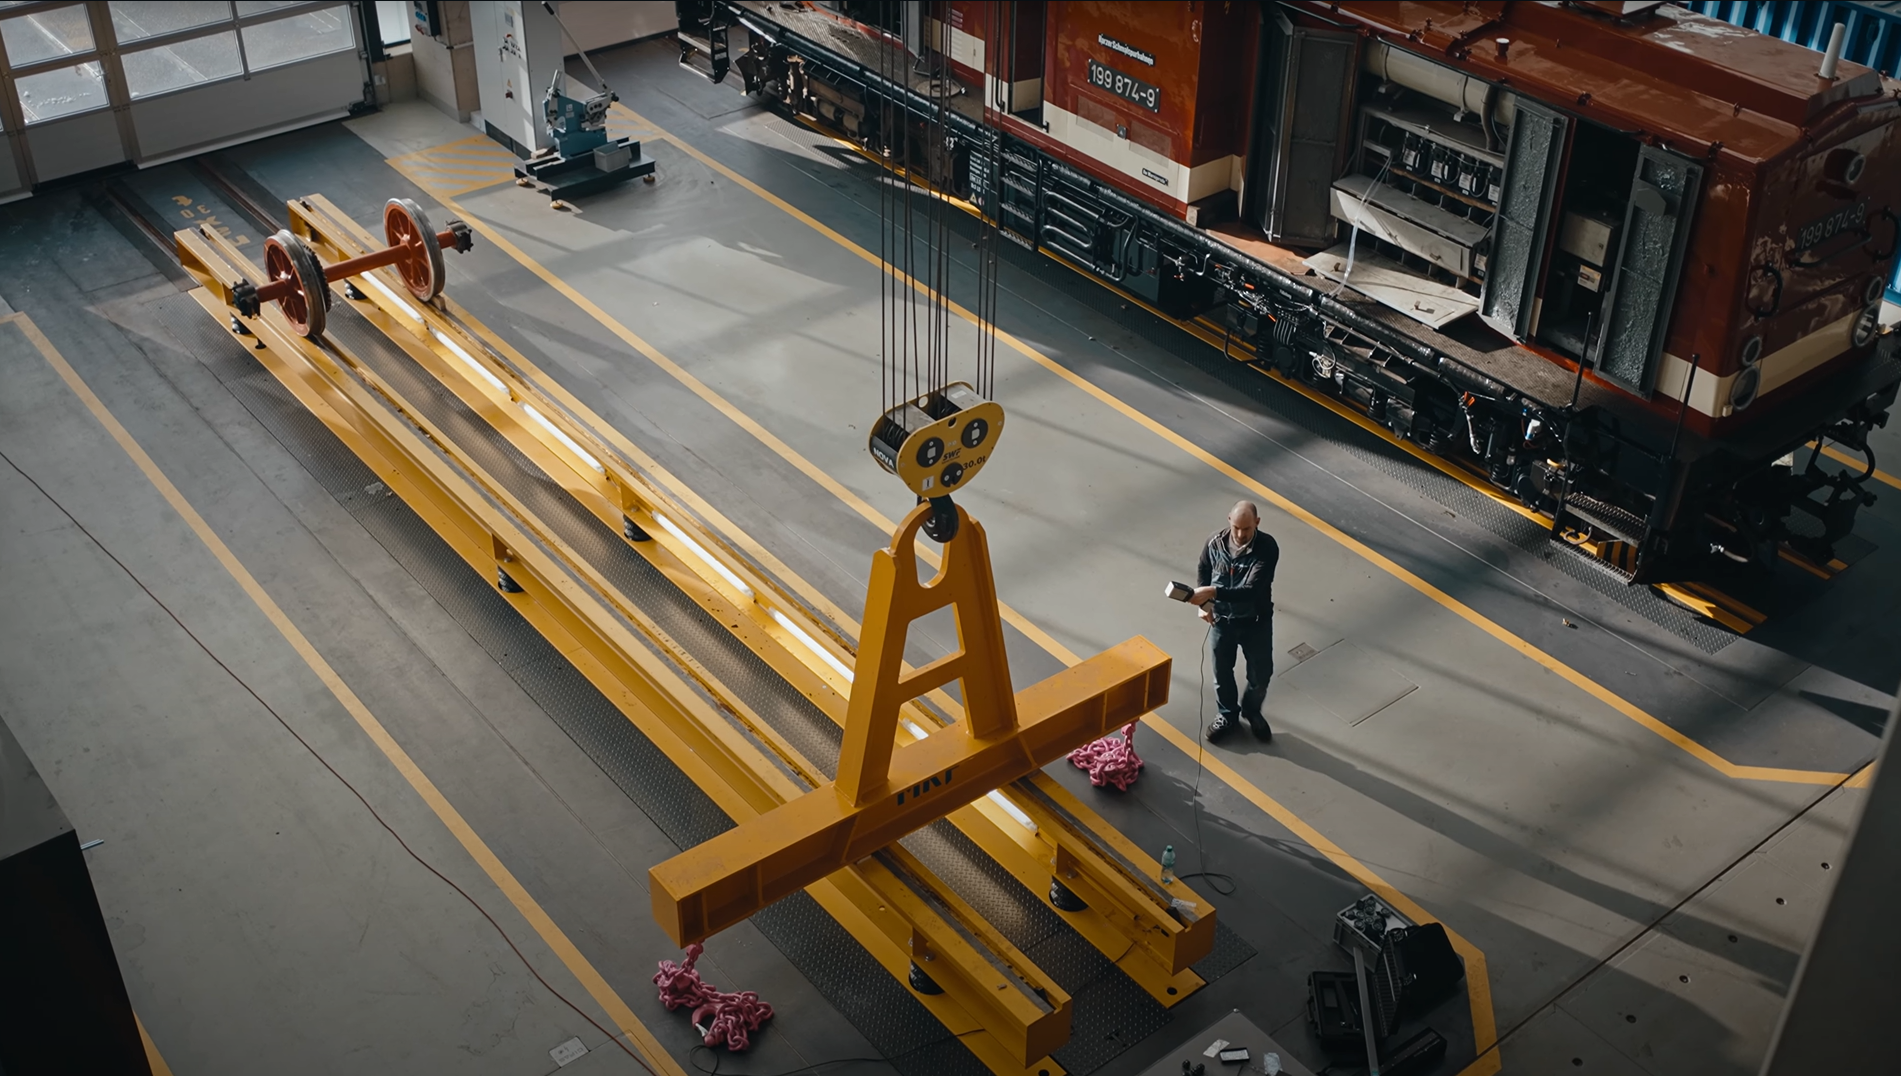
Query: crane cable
(915, 224)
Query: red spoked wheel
(307, 304)
(407, 228)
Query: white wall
(445, 66)
(517, 53)
(599, 24)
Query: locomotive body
(1621, 260)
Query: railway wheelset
(299, 282)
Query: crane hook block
(938, 442)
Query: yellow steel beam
(1155, 932)
(1001, 1021)
(883, 794)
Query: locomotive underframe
(1656, 504)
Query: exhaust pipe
(1833, 57)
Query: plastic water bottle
(1168, 863)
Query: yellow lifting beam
(994, 999)
(1154, 931)
(883, 793)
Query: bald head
(1243, 518)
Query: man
(1234, 588)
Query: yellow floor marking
(1858, 463)
(152, 1056)
(470, 168)
(476, 144)
(1479, 986)
(1235, 474)
(544, 925)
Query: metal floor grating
(838, 967)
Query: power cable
(1215, 878)
(314, 753)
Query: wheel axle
(300, 284)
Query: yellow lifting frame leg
(893, 601)
(882, 793)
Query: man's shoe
(1259, 725)
(1219, 727)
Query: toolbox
(1333, 1008)
(1416, 1056)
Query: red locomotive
(1624, 260)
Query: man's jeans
(1255, 639)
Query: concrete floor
(1639, 911)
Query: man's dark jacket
(1243, 579)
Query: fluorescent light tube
(724, 572)
(563, 438)
(812, 645)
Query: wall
(517, 54)
(395, 76)
(601, 24)
(445, 66)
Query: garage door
(89, 85)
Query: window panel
(148, 18)
(259, 7)
(392, 21)
(64, 91)
(271, 44)
(185, 63)
(45, 35)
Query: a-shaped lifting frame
(883, 792)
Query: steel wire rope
(883, 134)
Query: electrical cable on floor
(1215, 878)
(314, 753)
